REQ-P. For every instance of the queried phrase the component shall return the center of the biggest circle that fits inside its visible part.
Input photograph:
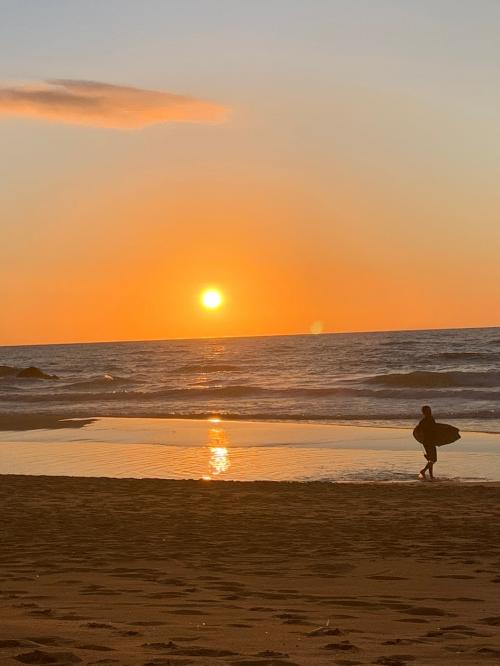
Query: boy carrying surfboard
(431, 435)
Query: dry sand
(114, 571)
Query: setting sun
(211, 299)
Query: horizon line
(246, 337)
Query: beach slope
(150, 572)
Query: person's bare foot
(421, 475)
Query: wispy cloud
(104, 104)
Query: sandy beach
(122, 571)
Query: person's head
(426, 410)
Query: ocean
(355, 378)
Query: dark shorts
(431, 452)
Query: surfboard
(442, 434)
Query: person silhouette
(427, 426)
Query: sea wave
(436, 379)
(371, 377)
(106, 380)
(469, 356)
(206, 368)
(221, 393)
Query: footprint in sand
(14, 643)
(73, 617)
(193, 651)
(163, 595)
(491, 621)
(325, 631)
(489, 652)
(168, 662)
(95, 648)
(40, 657)
(25, 605)
(42, 612)
(186, 611)
(291, 618)
(156, 623)
(51, 641)
(387, 577)
(189, 651)
(264, 662)
(302, 623)
(456, 649)
(423, 610)
(342, 646)
(160, 646)
(395, 660)
(455, 631)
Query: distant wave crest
(105, 392)
(205, 368)
(106, 381)
(469, 356)
(427, 379)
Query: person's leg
(427, 457)
(432, 460)
(423, 471)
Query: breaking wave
(209, 393)
(427, 379)
(105, 381)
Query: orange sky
(132, 264)
(324, 174)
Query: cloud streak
(104, 105)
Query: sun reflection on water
(218, 444)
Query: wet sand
(233, 450)
(24, 422)
(156, 572)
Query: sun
(211, 299)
